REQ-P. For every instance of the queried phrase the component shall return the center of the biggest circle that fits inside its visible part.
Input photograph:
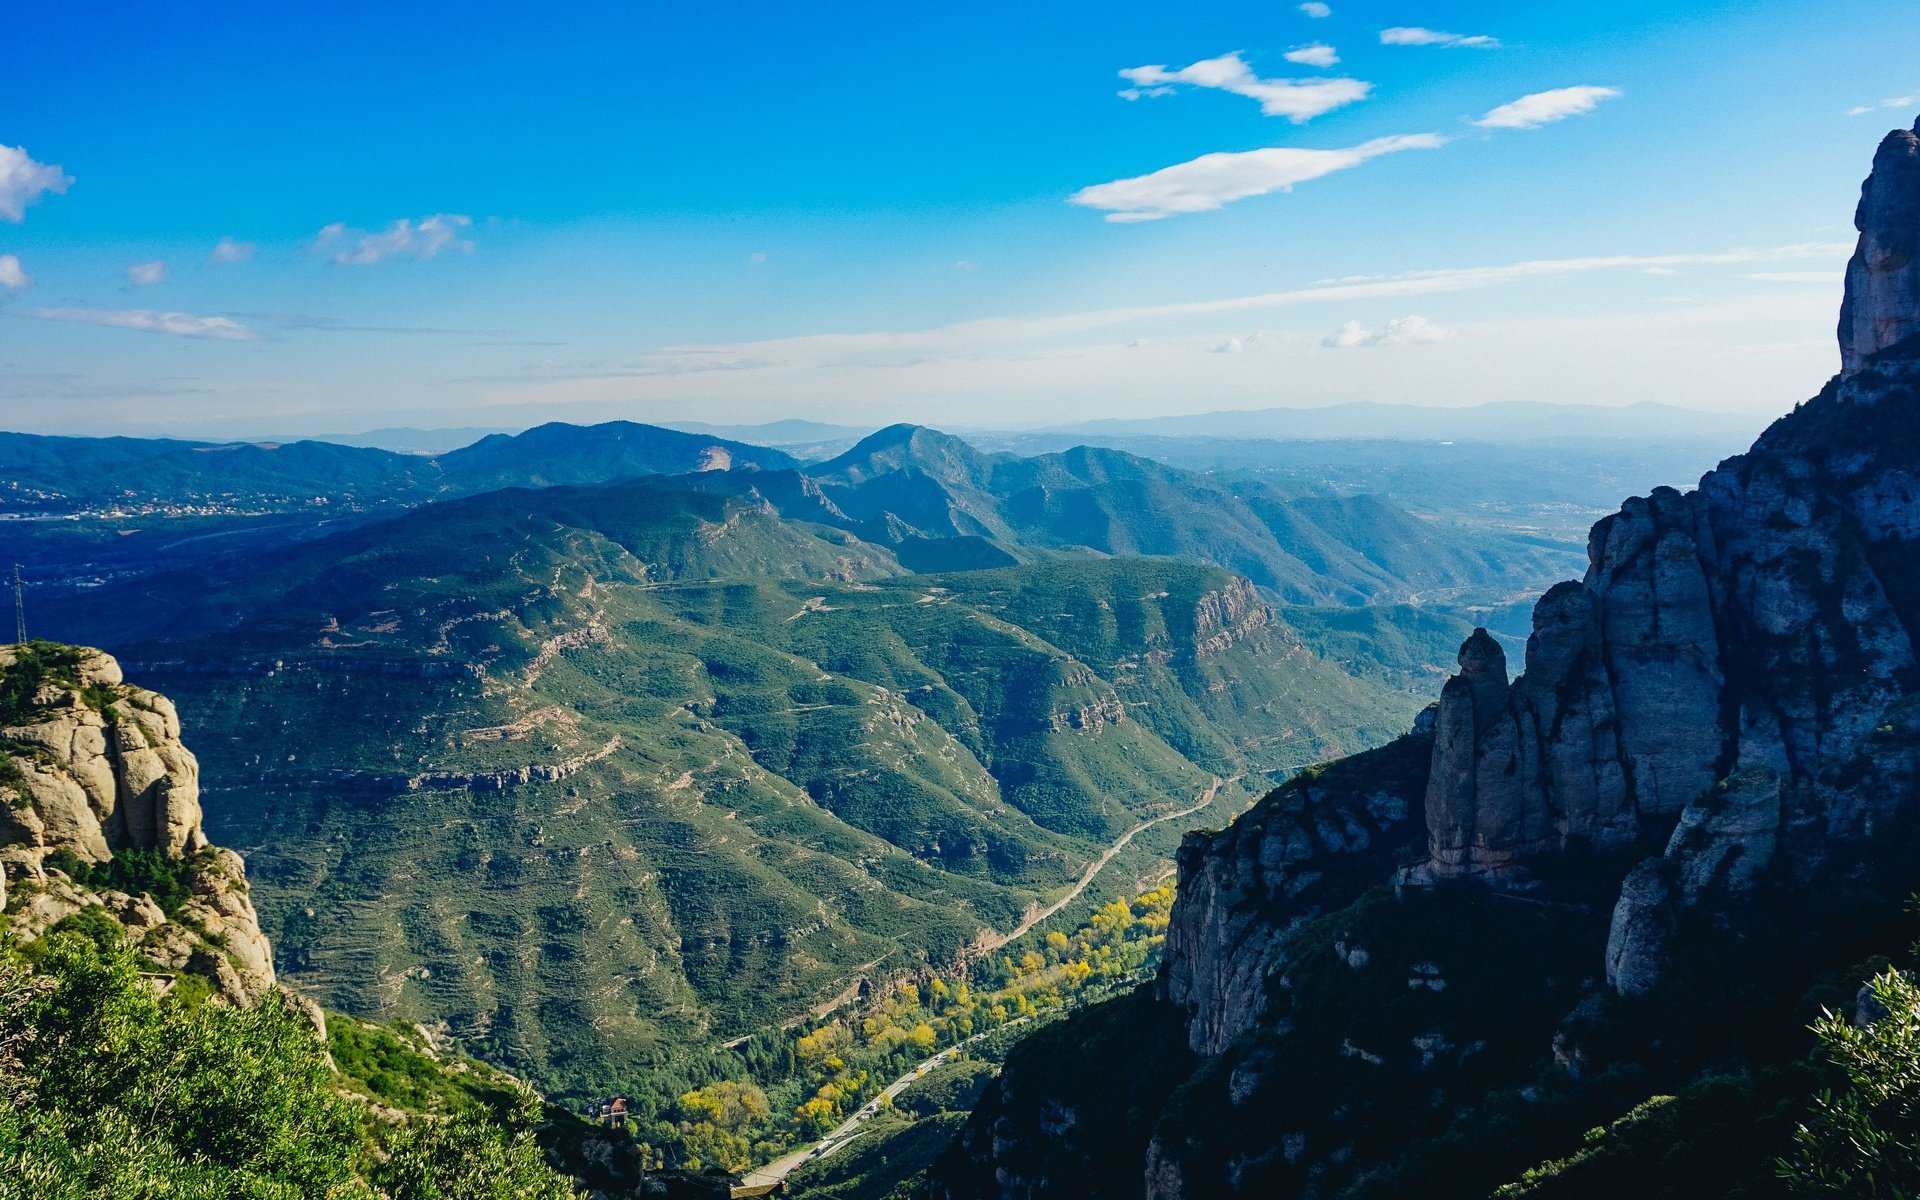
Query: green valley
(578, 776)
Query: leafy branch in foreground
(1862, 1138)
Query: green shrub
(135, 872)
(111, 1091)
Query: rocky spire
(1882, 303)
(1471, 809)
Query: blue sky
(862, 212)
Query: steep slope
(581, 774)
(1649, 856)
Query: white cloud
(1544, 108)
(13, 276)
(421, 240)
(1317, 55)
(147, 273)
(22, 181)
(1298, 100)
(1861, 110)
(177, 323)
(965, 264)
(757, 257)
(1257, 340)
(230, 251)
(1829, 278)
(1660, 271)
(1212, 180)
(1315, 9)
(1400, 331)
(1413, 35)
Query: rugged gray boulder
(91, 767)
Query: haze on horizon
(237, 223)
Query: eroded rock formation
(90, 768)
(1883, 278)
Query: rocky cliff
(1705, 772)
(1883, 279)
(100, 815)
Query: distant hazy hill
(561, 453)
(919, 499)
(60, 474)
(1505, 421)
(938, 502)
(1555, 488)
(576, 772)
(65, 474)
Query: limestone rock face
(1615, 721)
(1883, 278)
(1247, 891)
(95, 767)
(104, 768)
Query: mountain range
(635, 764)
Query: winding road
(780, 1168)
(993, 941)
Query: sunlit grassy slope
(542, 769)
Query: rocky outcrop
(99, 765)
(497, 781)
(1712, 756)
(1762, 622)
(1883, 279)
(1616, 722)
(1228, 615)
(1248, 891)
(91, 768)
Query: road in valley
(994, 941)
(780, 1168)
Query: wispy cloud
(1315, 9)
(1827, 278)
(971, 337)
(177, 323)
(1319, 54)
(13, 277)
(308, 323)
(1298, 100)
(1413, 35)
(423, 239)
(1861, 110)
(147, 274)
(1544, 108)
(1400, 331)
(229, 251)
(1212, 180)
(23, 181)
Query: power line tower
(19, 608)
